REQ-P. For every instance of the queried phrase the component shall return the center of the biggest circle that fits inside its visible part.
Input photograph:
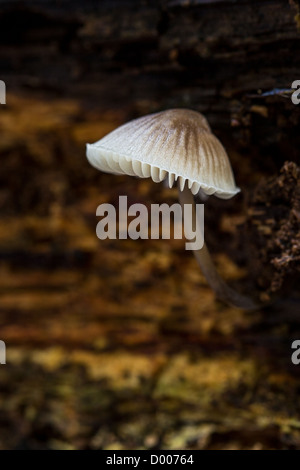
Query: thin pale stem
(222, 290)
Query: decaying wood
(121, 344)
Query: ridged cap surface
(173, 144)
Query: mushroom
(176, 145)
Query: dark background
(121, 344)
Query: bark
(121, 344)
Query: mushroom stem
(222, 290)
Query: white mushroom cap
(177, 144)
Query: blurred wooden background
(121, 344)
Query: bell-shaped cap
(176, 144)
